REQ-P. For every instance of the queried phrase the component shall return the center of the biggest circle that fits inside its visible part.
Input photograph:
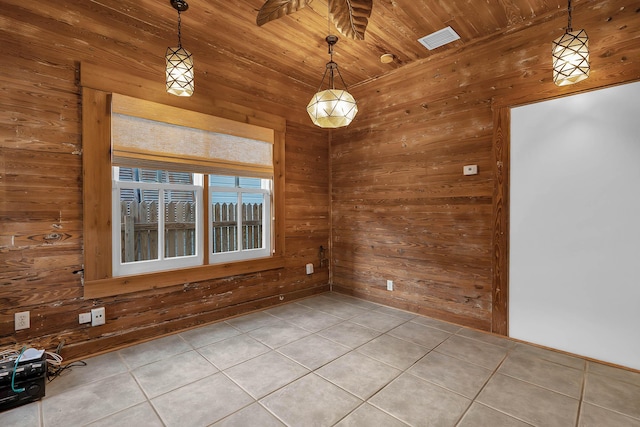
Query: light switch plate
(470, 170)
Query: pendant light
(179, 61)
(332, 108)
(570, 56)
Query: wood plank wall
(408, 214)
(41, 196)
(401, 209)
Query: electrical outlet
(389, 285)
(84, 318)
(97, 316)
(22, 320)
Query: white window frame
(267, 224)
(162, 263)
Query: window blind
(155, 136)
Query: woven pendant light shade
(179, 61)
(570, 58)
(180, 81)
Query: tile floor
(335, 360)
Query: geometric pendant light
(179, 61)
(332, 108)
(570, 56)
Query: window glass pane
(222, 181)
(125, 174)
(252, 221)
(179, 223)
(150, 175)
(250, 182)
(180, 177)
(224, 223)
(139, 230)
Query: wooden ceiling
(224, 34)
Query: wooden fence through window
(139, 231)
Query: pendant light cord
(179, 29)
(569, 28)
(328, 17)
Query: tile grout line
(495, 371)
(583, 389)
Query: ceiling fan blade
(274, 9)
(351, 17)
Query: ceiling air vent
(439, 38)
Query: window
(157, 220)
(163, 171)
(240, 212)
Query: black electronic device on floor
(28, 377)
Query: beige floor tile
(481, 416)
(139, 415)
(419, 334)
(358, 374)
(168, 374)
(152, 351)
(438, 324)
(252, 321)
(487, 337)
(349, 334)
(253, 415)
(530, 403)
(232, 351)
(396, 313)
(25, 415)
(451, 373)
(313, 351)
(473, 351)
(201, 403)
(544, 373)
(420, 403)
(328, 305)
(209, 334)
(265, 373)
(289, 311)
(611, 393)
(310, 320)
(311, 401)
(616, 373)
(594, 416)
(278, 334)
(367, 305)
(97, 368)
(549, 355)
(393, 351)
(370, 416)
(91, 402)
(377, 321)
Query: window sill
(128, 284)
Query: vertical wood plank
(500, 260)
(96, 173)
(279, 186)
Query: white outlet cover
(22, 320)
(97, 316)
(470, 170)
